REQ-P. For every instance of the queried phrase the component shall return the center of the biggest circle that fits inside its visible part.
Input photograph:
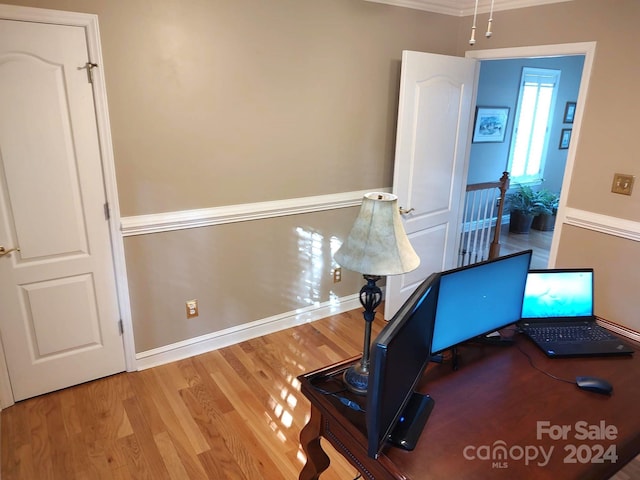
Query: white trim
(588, 49)
(6, 392)
(461, 8)
(535, 51)
(619, 329)
(204, 217)
(90, 23)
(619, 227)
(43, 15)
(111, 192)
(230, 336)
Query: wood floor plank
(265, 412)
(137, 465)
(270, 385)
(214, 393)
(340, 468)
(61, 451)
(147, 395)
(171, 440)
(26, 468)
(536, 240)
(211, 425)
(189, 459)
(85, 465)
(170, 456)
(267, 462)
(144, 453)
(214, 467)
(14, 427)
(100, 425)
(169, 430)
(67, 401)
(40, 445)
(171, 384)
(119, 473)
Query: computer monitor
(399, 355)
(478, 299)
(559, 293)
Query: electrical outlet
(192, 308)
(622, 183)
(337, 274)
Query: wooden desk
(496, 399)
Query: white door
(434, 116)
(59, 310)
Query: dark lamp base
(356, 379)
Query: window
(536, 99)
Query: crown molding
(462, 8)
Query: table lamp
(376, 246)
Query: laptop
(557, 315)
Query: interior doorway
(539, 53)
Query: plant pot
(543, 222)
(520, 222)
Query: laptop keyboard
(569, 334)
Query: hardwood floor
(235, 413)
(538, 241)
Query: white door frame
(588, 49)
(90, 23)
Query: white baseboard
(619, 329)
(241, 333)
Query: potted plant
(547, 208)
(523, 207)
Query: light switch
(622, 183)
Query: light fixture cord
(489, 32)
(472, 40)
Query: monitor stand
(494, 339)
(411, 422)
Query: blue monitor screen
(479, 299)
(558, 293)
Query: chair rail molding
(204, 217)
(597, 222)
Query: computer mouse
(594, 384)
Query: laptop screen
(558, 293)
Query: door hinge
(121, 327)
(107, 212)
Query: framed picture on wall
(569, 112)
(565, 138)
(490, 125)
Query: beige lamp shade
(378, 244)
